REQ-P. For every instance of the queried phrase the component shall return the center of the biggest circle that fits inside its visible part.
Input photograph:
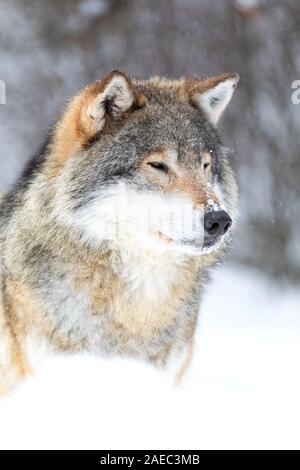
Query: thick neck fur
(133, 296)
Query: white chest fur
(149, 276)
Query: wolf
(78, 273)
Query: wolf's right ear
(110, 98)
(102, 102)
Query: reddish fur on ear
(200, 85)
(88, 112)
(212, 94)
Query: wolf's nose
(216, 223)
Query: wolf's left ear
(212, 94)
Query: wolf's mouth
(164, 238)
(208, 245)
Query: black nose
(216, 223)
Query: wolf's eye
(159, 166)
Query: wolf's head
(142, 160)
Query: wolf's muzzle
(216, 224)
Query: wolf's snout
(216, 224)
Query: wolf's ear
(102, 102)
(212, 94)
(110, 98)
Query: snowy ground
(242, 390)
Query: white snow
(242, 390)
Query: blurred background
(49, 50)
(244, 384)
